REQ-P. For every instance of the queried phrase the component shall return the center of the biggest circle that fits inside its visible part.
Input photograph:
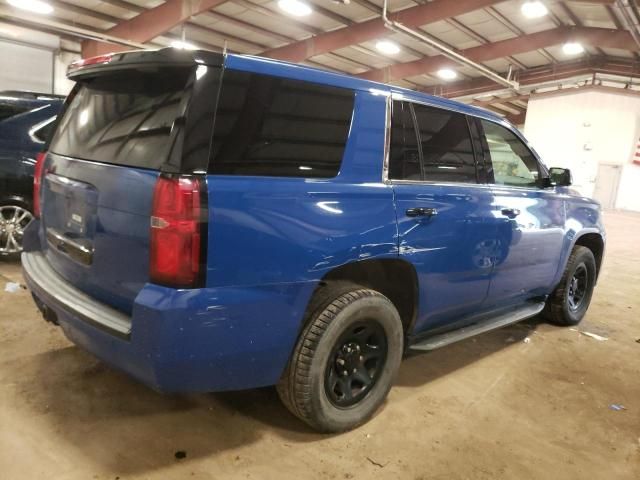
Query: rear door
(118, 130)
(530, 219)
(443, 212)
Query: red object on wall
(636, 154)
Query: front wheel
(14, 218)
(568, 303)
(345, 361)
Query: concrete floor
(490, 407)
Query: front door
(444, 215)
(529, 219)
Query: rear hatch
(126, 121)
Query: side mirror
(560, 177)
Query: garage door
(31, 68)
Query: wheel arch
(594, 241)
(395, 278)
(17, 198)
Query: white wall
(26, 68)
(579, 129)
(32, 60)
(62, 85)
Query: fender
(583, 217)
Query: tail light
(177, 234)
(37, 182)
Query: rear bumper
(209, 339)
(57, 291)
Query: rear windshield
(123, 118)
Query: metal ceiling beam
(372, 7)
(496, 100)
(515, 118)
(605, 65)
(84, 11)
(65, 6)
(444, 50)
(576, 21)
(236, 22)
(125, 5)
(514, 29)
(348, 22)
(150, 24)
(614, 17)
(299, 25)
(103, 17)
(588, 35)
(77, 30)
(374, 28)
(480, 39)
(629, 12)
(278, 15)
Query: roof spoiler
(143, 58)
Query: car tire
(9, 227)
(354, 330)
(568, 303)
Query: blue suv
(27, 120)
(211, 222)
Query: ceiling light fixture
(182, 45)
(387, 47)
(295, 7)
(447, 74)
(534, 9)
(36, 6)
(572, 48)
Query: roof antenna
(224, 48)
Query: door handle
(421, 212)
(510, 212)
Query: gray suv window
(512, 162)
(404, 155)
(443, 151)
(446, 145)
(271, 126)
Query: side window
(42, 132)
(271, 126)
(512, 162)
(7, 111)
(446, 145)
(404, 156)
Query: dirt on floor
(527, 401)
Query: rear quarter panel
(265, 230)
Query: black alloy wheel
(355, 364)
(578, 286)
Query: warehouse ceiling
(567, 43)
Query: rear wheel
(14, 218)
(569, 302)
(345, 360)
